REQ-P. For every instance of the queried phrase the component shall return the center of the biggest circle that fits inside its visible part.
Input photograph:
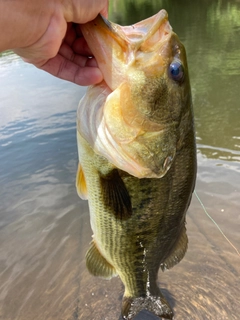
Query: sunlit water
(44, 226)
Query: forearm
(23, 22)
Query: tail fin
(157, 305)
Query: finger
(87, 11)
(91, 62)
(70, 34)
(68, 70)
(104, 11)
(80, 46)
(47, 46)
(69, 54)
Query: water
(44, 226)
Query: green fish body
(137, 158)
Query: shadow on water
(147, 315)
(44, 226)
(144, 315)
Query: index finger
(83, 74)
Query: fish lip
(106, 21)
(122, 34)
(103, 22)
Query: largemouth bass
(137, 157)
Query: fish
(137, 157)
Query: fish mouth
(138, 33)
(117, 48)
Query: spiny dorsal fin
(177, 253)
(97, 265)
(81, 183)
(116, 195)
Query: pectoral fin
(177, 253)
(97, 265)
(81, 183)
(116, 195)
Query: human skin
(47, 34)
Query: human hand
(73, 62)
(53, 41)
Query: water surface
(44, 226)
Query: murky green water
(44, 226)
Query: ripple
(219, 153)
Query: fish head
(147, 103)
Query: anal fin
(177, 252)
(97, 265)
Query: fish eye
(176, 70)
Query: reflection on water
(44, 226)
